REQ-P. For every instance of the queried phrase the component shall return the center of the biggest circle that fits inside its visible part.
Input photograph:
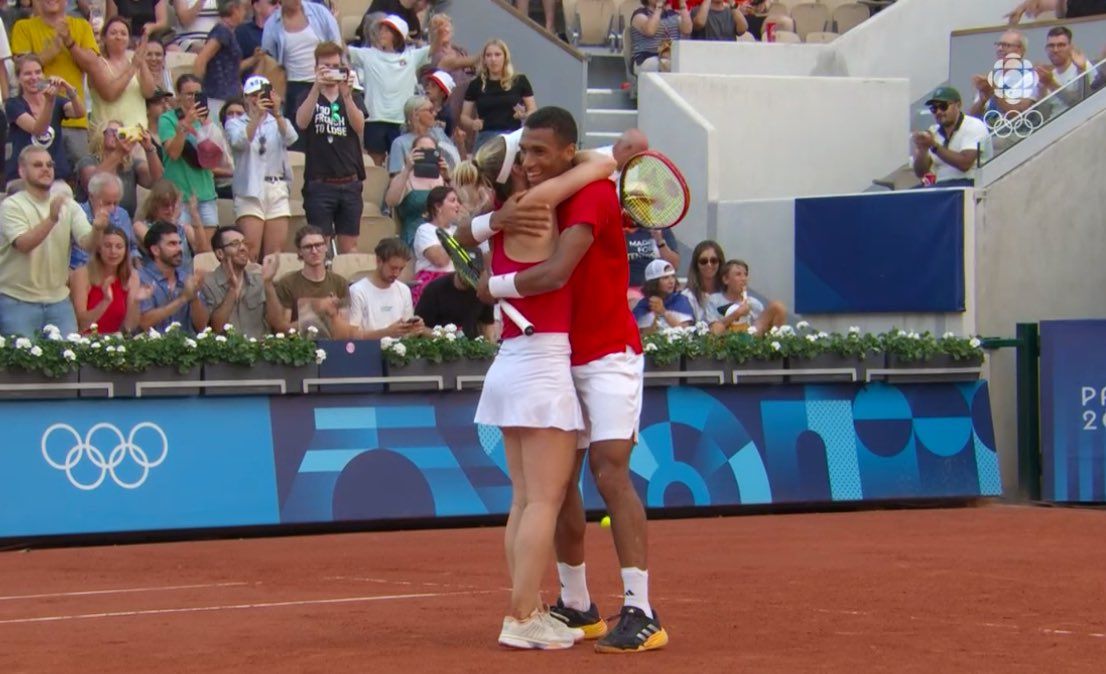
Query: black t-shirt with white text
(441, 303)
(333, 149)
(495, 106)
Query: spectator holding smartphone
(423, 170)
(381, 305)
(719, 20)
(35, 116)
(652, 26)
(498, 100)
(260, 142)
(190, 153)
(419, 111)
(334, 168)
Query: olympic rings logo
(1020, 124)
(125, 448)
(1013, 79)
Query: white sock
(636, 584)
(574, 586)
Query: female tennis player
(529, 392)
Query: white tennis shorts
(529, 385)
(610, 390)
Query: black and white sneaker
(589, 621)
(635, 632)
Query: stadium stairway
(610, 111)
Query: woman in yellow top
(121, 83)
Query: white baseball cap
(397, 23)
(443, 80)
(255, 84)
(659, 269)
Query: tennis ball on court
(605, 522)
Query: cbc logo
(126, 462)
(1013, 79)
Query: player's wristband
(503, 286)
(482, 228)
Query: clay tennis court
(991, 588)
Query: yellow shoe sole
(658, 640)
(596, 630)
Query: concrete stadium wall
(1040, 246)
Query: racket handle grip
(516, 317)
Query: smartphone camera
(426, 163)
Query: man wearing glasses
(312, 296)
(948, 151)
(234, 294)
(1016, 77)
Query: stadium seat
(787, 37)
(352, 7)
(849, 16)
(349, 26)
(747, 36)
(628, 61)
(809, 18)
(625, 11)
(205, 262)
(226, 211)
(289, 263)
(353, 266)
(779, 9)
(373, 229)
(375, 185)
(820, 37)
(597, 21)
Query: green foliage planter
(443, 352)
(291, 375)
(919, 358)
(124, 382)
(43, 387)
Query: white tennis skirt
(529, 385)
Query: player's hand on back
(530, 219)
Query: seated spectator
(104, 193)
(951, 147)
(408, 10)
(234, 294)
(431, 261)
(739, 311)
(168, 287)
(661, 306)
(408, 191)
(1067, 64)
(106, 292)
(1013, 96)
(419, 112)
(334, 166)
(298, 291)
(196, 19)
(389, 72)
(498, 100)
(651, 26)
(155, 63)
(121, 83)
(719, 20)
(755, 12)
(455, 61)
(35, 116)
(36, 231)
(260, 140)
(108, 153)
(163, 204)
(449, 299)
(146, 18)
(704, 277)
(186, 133)
(380, 304)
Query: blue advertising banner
(131, 465)
(1073, 407)
(900, 252)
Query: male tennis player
(607, 367)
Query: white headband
(512, 139)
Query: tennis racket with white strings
(467, 268)
(653, 192)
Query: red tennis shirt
(549, 312)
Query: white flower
(202, 335)
(175, 325)
(73, 338)
(54, 336)
(948, 335)
(975, 343)
(3, 341)
(97, 345)
(220, 338)
(68, 355)
(438, 331)
(279, 335)
(227, 327)
(752, 330)
(802, 325)
(775, 346)
(50, 327)
(812, 338)
(479, 338)
(823, 335)
(110, 349)
(154, 334)
(786, 330)
(189, 342)
(774, 331)
(320, 356)
(291, 331)
(36, 351)
(400, 348)
(913, 335)
(253, 340)
(85, 341)
(387, 342)
(650, 347)
(22, 343)
(451, 336)
(450, 328)
(121, 349)
(94, 327)
(854, 330)
(312, 330)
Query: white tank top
(299, 55)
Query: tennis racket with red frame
(467, 268)
(653, 192)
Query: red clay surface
(996, 588)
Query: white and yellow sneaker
(538, 631)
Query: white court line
(234, 607)
(385, 581)
(125, 590)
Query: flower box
(291, 375)
(821, 366)
(705, 364)
(430, 372)
(40, 387)
(124, 384)
(655, 373)
(940, 367)
(756, 371)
